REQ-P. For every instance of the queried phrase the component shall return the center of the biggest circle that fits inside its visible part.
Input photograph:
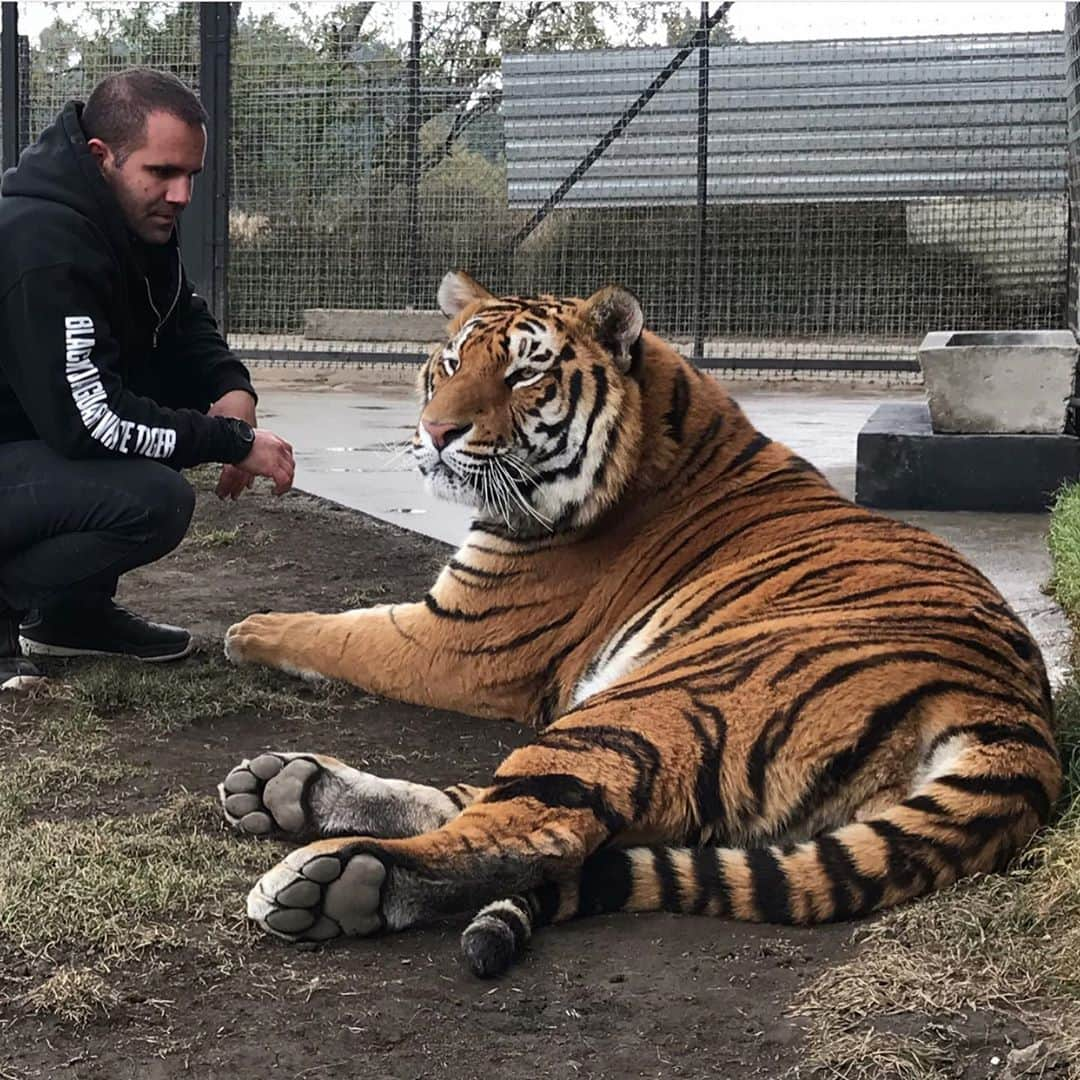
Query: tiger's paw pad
(314, 896)
(269, 794)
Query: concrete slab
(904, 464)
(360, 324)
(351, 446)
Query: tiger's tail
(973, 817)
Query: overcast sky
(783, 20)
(758, 20)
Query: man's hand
(270, 456)
(234, 481)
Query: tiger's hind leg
(583, 783)
(361, 885)
(312, 795)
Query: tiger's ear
(457, 291)
(614, 315)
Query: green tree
(681, 23)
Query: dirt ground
(620, 996)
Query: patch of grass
(989, 945)
(838, 1051)
(372, 593)
(73, 994)
(54, 753)
(99, 891)
(1063, 540)
(211, 540)
(29, 782)
(203, 478)
(208, 539)
(113, 887)
(61, 758)
(169, 700)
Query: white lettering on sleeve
(90, 399)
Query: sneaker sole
(39, 648)
(23, 682)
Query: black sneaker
(16, 672)
(109, 630)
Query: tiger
(751, 697)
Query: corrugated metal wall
(796, 121)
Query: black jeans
(69, 529)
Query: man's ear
(615, 318)
(457, 291)
(100, 150)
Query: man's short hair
(118, 106)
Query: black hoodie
(97, 328)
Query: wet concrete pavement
(351, 447)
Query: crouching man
(113, 375)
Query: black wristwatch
(243, 435)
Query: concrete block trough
(999, 382)
(992, 433)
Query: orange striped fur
(752, 698)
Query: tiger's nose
(444, 434)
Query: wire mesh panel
(860, 192)
(318, 197)
(80, 43)
(360, 175)
(8, 81)
(353, 188)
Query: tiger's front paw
(320, 892)
(273, 639)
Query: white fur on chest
(614, 662)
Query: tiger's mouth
(502, 486)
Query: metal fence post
(9, 82)
(24, 92)
(206, 222)
(412, 163)
(702, 183)
(1072, 113)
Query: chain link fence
(857, 193)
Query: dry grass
(111, 888)
(73, 995)
(368, 596)
(209, 539)
(51, 781)
(1006, 947)
(985, 946)
(104, 888)
(160, 701)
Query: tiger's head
(530, 409)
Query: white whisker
(396, 452)
(525, 469)
(498, 495)
(512, 490)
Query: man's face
(153, 184)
